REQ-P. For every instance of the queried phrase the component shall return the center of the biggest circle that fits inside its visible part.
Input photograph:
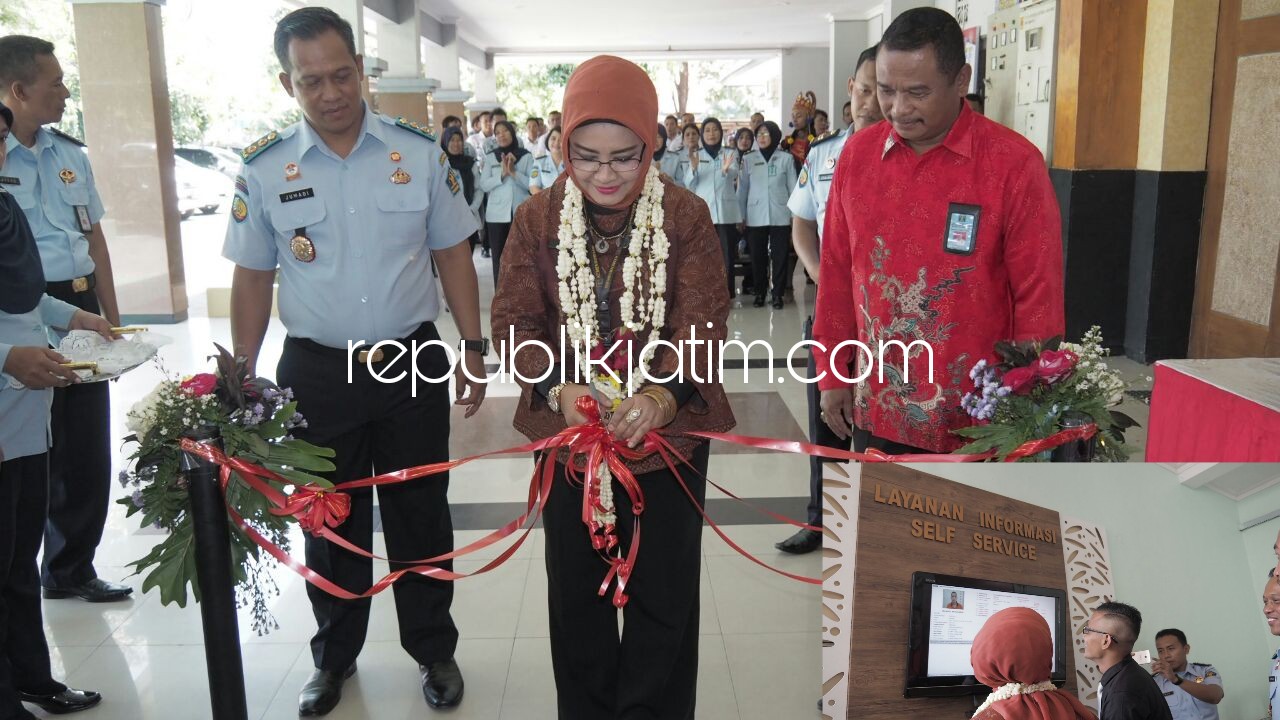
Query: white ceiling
(572, 26)
(1234, 480)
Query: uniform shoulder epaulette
(414, 127)
(824, 138)
(73, 140)
(255, 148)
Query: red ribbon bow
(316, 508)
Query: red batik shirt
(887, 273)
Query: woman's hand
(508, 165)
(38, 368)
(693, 159)
(88, 321)
(727, 162)
(630, 427)
(569, 395)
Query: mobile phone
(1142, 657)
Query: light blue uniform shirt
(35, 178)
(670, 165)
(544, 172)
(1274, 687)
(24, 413)
(371, 277)
(809, 199)
(715, 185)
(505, 194)
(765, 188)
(1181, 705)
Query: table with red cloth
(1215, 411)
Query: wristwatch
(481, 346)
(1178, 681)
(553, 397)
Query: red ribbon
(319, 510)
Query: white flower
(1004, 692)
(142, 416)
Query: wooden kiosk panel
(910, 521)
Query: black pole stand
(217, 588)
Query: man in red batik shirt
(942, 228)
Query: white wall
(804, 69)
(1178, 555)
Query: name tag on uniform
(6, 180)
(1169, 694)
(773, 170)
(962, 228)
(297, 195)
(826, 176)
(82, 216)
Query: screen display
(957, 613)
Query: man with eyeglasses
(1127, 692)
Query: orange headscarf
(610, 88)
(1015, 646)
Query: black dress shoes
(777, 303)
(441, 683)
(322, 691)
(96, 590)
(60, 703)
(804, 541)
(759, 301)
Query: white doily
(114, 358)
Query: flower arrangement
(254, 419)
(1035, 387)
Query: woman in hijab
(506, 180)
(768, 178)
(467, 169)
(1013, 655)
(548, 166)
(25, 314)
(712, 175)
(587, 257)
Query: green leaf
(299, 476)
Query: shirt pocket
(75, 194)
(306, 215)
(402, 215)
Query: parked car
(211, 158)
(199, 190)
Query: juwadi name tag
(303, 249)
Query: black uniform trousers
(729, 248)
(79, 470)
(498, 233)
(651, 673)
(771, 244)
(24, 663)
(377, 428)
(821, 434)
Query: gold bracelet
(665, 400)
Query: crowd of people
(602, 221)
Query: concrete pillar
(401, 90)
(894, 8)
(848, 39)
(441, 64)
(130, 136)
(805, 69)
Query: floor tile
(776, 675)
(750, 599)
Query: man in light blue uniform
(28, 369)
(49, 175)
(1193, 690)
(351, 208)
(1271, 610)
(808, 205)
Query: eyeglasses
(618, 165)
(1086, 630)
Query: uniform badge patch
(291, 172)
(454, 186)
(400, 177)
(443, 159)
(242, 186)
(830, 163)
(395, 156)
(804, 176)
(303, 248)
(67, 176)
(239, 210)
(533, 173)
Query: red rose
(199, 385)
(1020, 380)
(1054, 366)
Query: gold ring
(633, 416)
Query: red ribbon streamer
(319, 510)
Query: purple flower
(136, 499)
(124, 478)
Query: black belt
(425, 331)
(69, 287)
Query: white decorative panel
(1088, 564)
(839, 545)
